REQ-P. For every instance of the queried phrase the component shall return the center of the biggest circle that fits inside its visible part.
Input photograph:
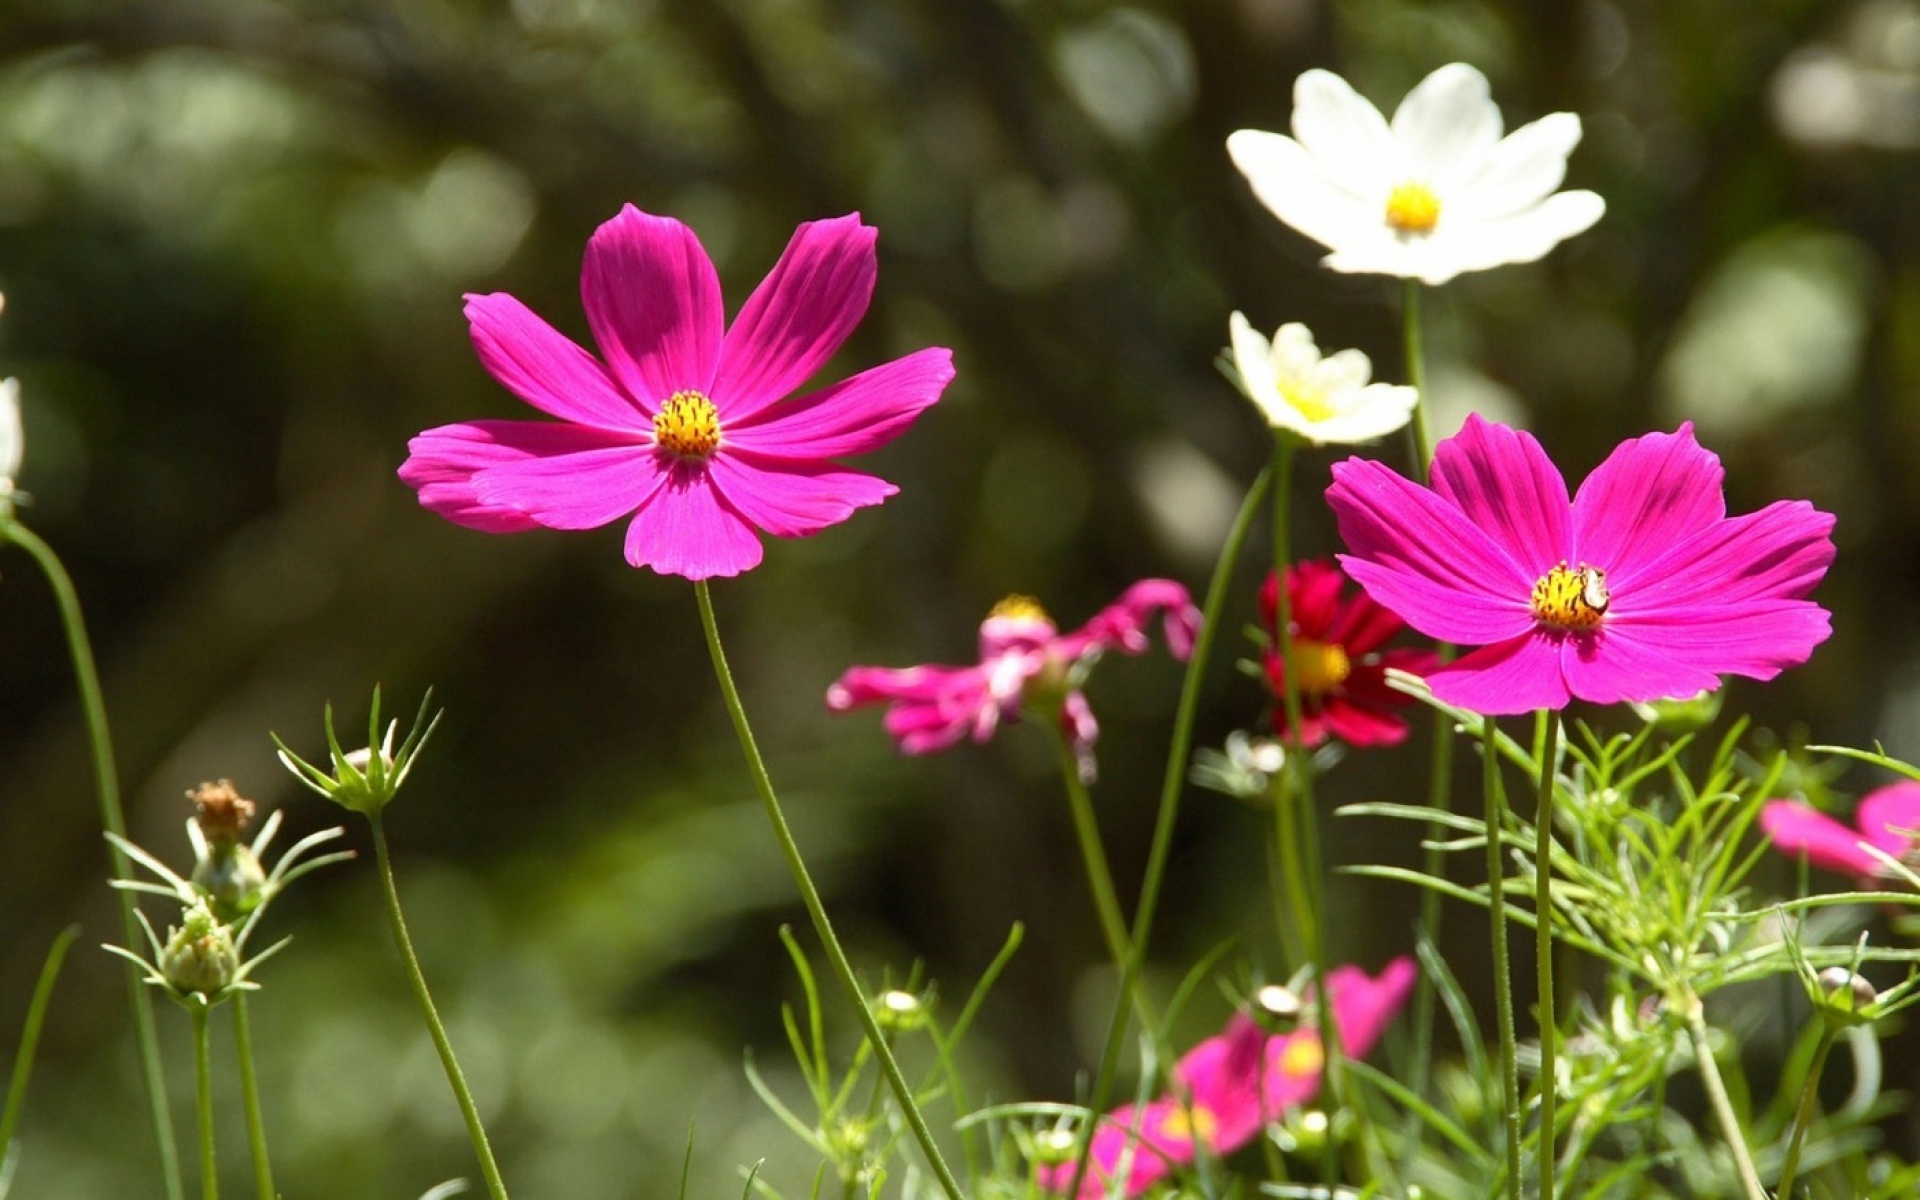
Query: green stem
(1113, 926)
(250, 1094)
(203, 1107)
(810, 896)
(1170, 790)
(1417, 378)
(1803, 1116)
(1296, 832)
(1548, 1016)
(30, 1035)
(107, 786)
(496, 1188)
(1495, 799)
(1722, 1105)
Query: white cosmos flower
(1321, 399)
(1435, 193)
(11, 442)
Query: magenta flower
(1886, 819)
(1023, 657)
(1227, 1088)
(1639, 588)
(682, 423)
(1337, 653)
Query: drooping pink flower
(1227, 1088)
(1638, 588)
(1887, 820)
(1022, 655)
(1337, 653)
(682, 423)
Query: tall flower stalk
(1549, 1021)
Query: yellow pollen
(1189, 1124)
(687, 425)
(1303, 1057)
(1311, 405)
(1572, 600)
(1413, 208)
(1024, 608)
(1319, 667)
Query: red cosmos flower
(1337, 640)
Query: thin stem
(1722, 1105)
(1548, 1017)
(1495, 798)
(1106, 902)
(203, 1107)
(1178, 748)
(250, 1094)
(1295, 831)
(1417, 377)
(476, 1132)
(810, 896)
(107, 786)
(30, 1035)
(1803, 1116)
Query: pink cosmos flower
(1226, 1089)
(1336, 650)
(682, 423)
(1886, 819)
(1639, 588)
(1022, 656)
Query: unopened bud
(1277, 1008)
(899, 1012)
(1844, 987)
(1051, 1147)
(200, 956)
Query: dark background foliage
(233, 240)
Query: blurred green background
(233, 239)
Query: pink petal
(653, 301)
(578, 489)
(1778, 553)
(1757, 639)
(1889, 816)
(1418, 555)
(451, 467)
(1623, 665)
(545, 368)
(798, 316)
(854, 416)
(1514, 676)
(1313, 590)
(686, 529)
(1082, 731)
(793, 499)
(1363, 1007)
(1122, 625)
(1507, 486)
(1798, 829)
(1359, 725)
(858, 687)
(1651, 493)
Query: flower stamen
(1413, 208)
(1572, 600)
(1018, 608)
(1319, 667)
(1190, 1124)
(688, 425)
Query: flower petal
(1621, 664)
(1417, 554)
(1521, 171)
(1361, 726)
(1651, 493)
(1345, 133)
(581, 489)
(1363, 1007)
(687, 529)
(1446, 126)
(793, 499)
(1506, 485)
(1780, 552)
(1526, 236)
(1296, 188)
(442, 462)
(653, 301)
(1757, 639)
(1890, 816)
(860, 413)
(798, 316)
(1799, 829)
(545, 368)
(1515, 676)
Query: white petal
(1342, 376)
(1381, 409)
(1251, 357)
(12, 440)
(1446, 125)
(1522, 170)
(1291, 183)
(1345, 132)
(1524, 236)
(1427, 259)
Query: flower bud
(364, 780)
(199, 957)
(1844, 997)
(1278, 1009)
(1053, 1147)
(899, 1012)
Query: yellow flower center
(1310, 404)
(1319, 667)
(1303, 1058)
(1413, 208)
(1572, 600)
(1017, 607)
(1189, 1124)
(688, 425)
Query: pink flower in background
(932, 707)
(1887, 820)
(1639, 588)
(1228, 1087)
(682, 423)
(1336, 652)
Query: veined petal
(1623, 664)
(687, 529)
(1417, 554)
(582, 488)
(653, 301)
(798, 316)
(1507, 486)
(1515, 676)
(1801, 829)
(1889, 817)
(1344, 131)
(1780, 552)
(1296, 188)
(792, 499)
(1521, 171)
(860, 413)
(544, 367)
(1757, 639)
(442, 462)
(1650, 493)
(1446, 125)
